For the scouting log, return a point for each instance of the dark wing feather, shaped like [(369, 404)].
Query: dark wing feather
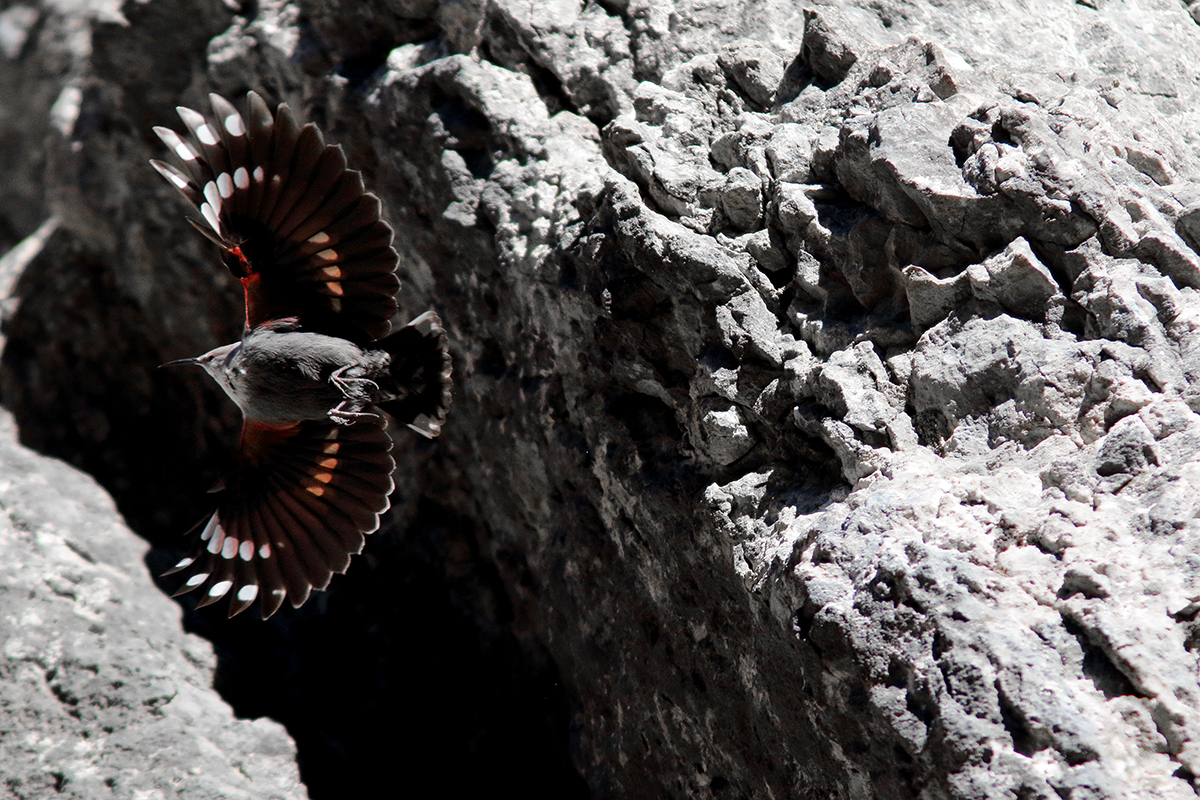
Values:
[(420, 375), (293, 222), (291, 513)]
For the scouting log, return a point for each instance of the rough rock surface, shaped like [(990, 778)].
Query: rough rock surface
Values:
[(826, 415), (101, 693)]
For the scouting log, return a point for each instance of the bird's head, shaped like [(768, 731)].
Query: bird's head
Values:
[(220, 363)]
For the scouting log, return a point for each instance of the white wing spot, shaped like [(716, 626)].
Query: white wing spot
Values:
[(220, 588), (258, 174), (206, 135), (234, 124), (209, 217), (264, 551), (246, 551), (328, 255), (197, 579), (214, 546), (213, 196), (319, 238), (171, 139), (225, 185), (332, 272), (209, 528), (176, 179), (183, 562), (241, 178), (247, 593), (336, 303), (230, 548)]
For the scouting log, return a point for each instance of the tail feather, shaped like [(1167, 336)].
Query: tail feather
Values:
[(420, 370)]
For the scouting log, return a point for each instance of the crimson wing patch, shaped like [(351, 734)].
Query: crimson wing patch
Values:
[(292, 221), (292, 512)]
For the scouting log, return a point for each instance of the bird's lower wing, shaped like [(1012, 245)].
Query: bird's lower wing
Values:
[(291, 513)]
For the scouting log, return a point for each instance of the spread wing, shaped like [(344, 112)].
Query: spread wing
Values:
[(291, 513), (292, 221)]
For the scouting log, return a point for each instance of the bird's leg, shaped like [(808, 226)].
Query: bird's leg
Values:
[(358, 396), (345, 416), (348, 385)]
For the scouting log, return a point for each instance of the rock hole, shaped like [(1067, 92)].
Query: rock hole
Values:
[(940, 645), (1098, 667), (920, 707), (1000, 135), (802, 622), (1185, 774), (468, 132), (491, 361), (360, 67), (1023, 739)]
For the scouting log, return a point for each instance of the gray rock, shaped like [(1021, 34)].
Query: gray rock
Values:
[(835, 38), (755, 69), (741, 199), (826, 417), (1017, 281), (103, 694)]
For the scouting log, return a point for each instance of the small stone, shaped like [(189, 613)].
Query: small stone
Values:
[(1016, 280), (742, 199), (789, 153), (756, 69), (726, 437)]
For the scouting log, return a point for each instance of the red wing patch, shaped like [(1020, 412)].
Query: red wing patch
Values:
[(292, 512), (294, 223)]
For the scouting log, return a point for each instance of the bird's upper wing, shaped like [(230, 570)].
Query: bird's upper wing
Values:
[(292, 221), (292, 512)]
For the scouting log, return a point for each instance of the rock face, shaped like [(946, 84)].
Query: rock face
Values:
[(102, 694), (826, 415)]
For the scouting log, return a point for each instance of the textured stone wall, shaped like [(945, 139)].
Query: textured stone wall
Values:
[(825, 419)]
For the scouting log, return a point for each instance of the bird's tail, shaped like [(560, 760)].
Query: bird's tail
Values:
[(420, 371)]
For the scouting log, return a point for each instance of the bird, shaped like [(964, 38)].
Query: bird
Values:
[(320, 366)]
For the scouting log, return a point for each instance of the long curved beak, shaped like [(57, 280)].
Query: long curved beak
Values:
[(179, 361)]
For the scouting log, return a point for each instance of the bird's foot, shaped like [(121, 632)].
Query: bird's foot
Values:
[(351, 387), (346, 416)]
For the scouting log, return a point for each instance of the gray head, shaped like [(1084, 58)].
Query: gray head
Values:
[(218, 362)]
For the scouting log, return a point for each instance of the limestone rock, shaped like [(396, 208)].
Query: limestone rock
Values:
[(826, 420), (103, 694)]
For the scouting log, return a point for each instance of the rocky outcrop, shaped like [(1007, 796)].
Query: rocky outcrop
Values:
[(103, 693), (825, 418)]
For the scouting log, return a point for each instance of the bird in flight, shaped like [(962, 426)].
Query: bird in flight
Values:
[(319, 368)]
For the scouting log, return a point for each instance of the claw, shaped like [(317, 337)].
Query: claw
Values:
[(346, 384), (343, 416)]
